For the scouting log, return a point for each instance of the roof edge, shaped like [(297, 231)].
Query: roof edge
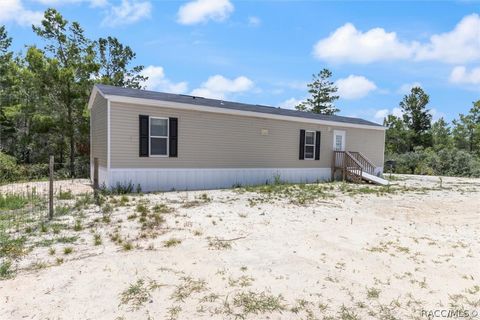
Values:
[(202, 108)]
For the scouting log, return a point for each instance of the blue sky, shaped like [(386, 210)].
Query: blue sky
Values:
[(265, 52)]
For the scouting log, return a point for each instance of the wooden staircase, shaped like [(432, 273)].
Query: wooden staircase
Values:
[(355, 167)]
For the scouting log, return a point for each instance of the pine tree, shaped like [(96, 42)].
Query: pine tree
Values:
[(417, 117), (322, 91)]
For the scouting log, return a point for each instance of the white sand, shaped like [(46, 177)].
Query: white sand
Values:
[(420, 249)]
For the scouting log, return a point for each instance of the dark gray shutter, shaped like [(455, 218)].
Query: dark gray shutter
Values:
[(301, 154), (144, 135), (173, 137), (317, 145)]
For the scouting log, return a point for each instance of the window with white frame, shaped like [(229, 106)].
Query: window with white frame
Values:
[(310, 145), (158, 136)]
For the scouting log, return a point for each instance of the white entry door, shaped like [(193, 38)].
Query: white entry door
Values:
[(339, 140)]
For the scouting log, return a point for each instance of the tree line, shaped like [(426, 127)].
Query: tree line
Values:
[(420, 146), (44, 92)]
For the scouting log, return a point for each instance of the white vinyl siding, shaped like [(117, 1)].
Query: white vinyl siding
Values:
[(213, 140)]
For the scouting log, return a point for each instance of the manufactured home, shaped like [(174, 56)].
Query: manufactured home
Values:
[(164, 141)]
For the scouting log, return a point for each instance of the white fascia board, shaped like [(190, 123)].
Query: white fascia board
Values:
[(184, 106), (93, 94)]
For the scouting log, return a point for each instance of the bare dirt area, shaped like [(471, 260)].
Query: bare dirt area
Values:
[(322, 251)]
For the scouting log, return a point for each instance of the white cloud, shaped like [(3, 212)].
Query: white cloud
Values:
[(347, 44), (354, 87), (158, 81), (254, 21), (381, 114), (397, 112), (460, 45), (290, 103), (13, 10), (461, 75), (127, 12), (407, 87), (218, 87), (198, 11)]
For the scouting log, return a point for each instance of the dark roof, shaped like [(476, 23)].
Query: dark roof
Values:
[(200, 101)]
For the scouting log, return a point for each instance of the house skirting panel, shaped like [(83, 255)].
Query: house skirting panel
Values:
[(378, 171), (211, 178)]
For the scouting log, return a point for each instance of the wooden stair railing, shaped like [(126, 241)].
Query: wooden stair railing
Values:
[(350, 166), (366, 164)]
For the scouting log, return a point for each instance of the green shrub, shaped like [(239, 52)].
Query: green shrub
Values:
[(445, 162), (9, 170)]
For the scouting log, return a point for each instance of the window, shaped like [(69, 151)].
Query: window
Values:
[(158, 136), (310, 145), (339, 140)]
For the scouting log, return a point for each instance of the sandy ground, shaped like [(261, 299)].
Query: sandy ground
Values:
[(354, 254)]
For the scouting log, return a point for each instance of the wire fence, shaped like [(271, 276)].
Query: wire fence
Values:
[(26, 206)]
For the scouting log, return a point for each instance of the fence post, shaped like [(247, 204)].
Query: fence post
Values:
[(50, 190), (95, 179)]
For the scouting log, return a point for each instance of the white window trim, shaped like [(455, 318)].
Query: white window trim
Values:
[(150, 138), (339, 133), (310, 145)]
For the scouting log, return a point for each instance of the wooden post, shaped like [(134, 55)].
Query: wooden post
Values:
[(50, 190)]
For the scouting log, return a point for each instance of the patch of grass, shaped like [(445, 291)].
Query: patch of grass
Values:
[(242, 281), (43, 228), (51, 251), (373, 293), (299, 194), (49, 242), (67, 250), (83, 201), (97, 239), (204, 197), (119, 188), (162, 208), (174, 312), (12, 201), (127, 246), (257, 303), (347, 314), (152, 221), (187, 288), (124, 200), (6, 271), (12, 247), (142, 209), (78, 225), (62, 210), (37, 265), (218, 244), (199, 200), (107, 208), (65, 195), (172, 242), (191, 204), (59, 261), (138, 293)]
